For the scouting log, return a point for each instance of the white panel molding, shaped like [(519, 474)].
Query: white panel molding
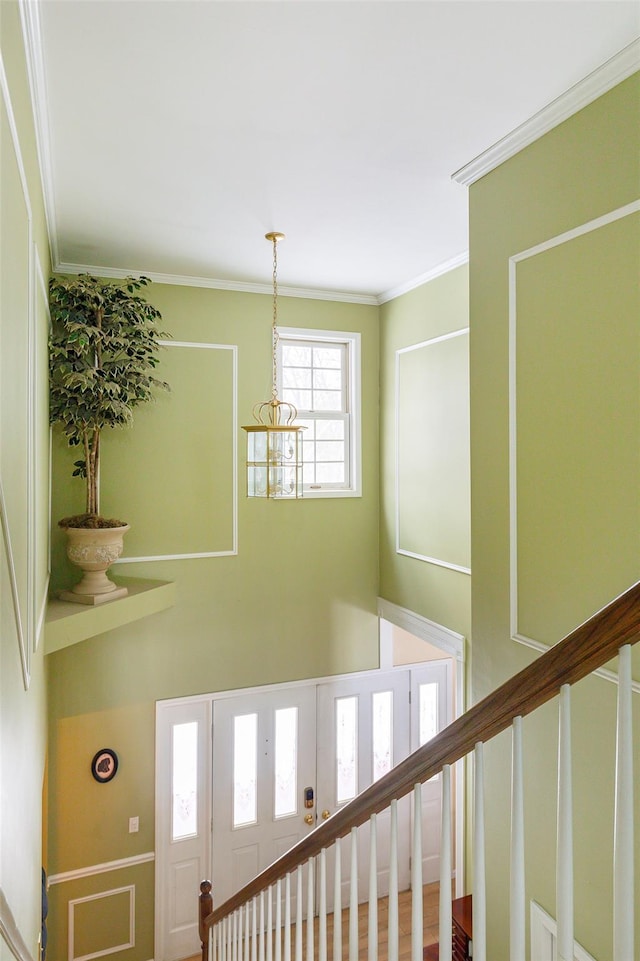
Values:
[(446, 640), (544, 936), (104, 868), (434, 560), (514, 260), (234, 536), (604, 78), (438, 562), (25, 625), (30, 19), (22, 642), (40, 288), (184, 280), (130, 889), (444, 268), (10, 933)]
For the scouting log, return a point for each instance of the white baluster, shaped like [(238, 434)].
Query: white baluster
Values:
[(372, 951), (479, 879), (270, 923), (353, 898), (517, 912), (233, 953), (247, 931), (322, 908), (337, 904), (310, 909), (394, 926), (299, 913), (623, 893), (254, 930), (445, 918), (261, 945), (416, 877), (287, 918), (278, 931), (223, 940), (564, 870)]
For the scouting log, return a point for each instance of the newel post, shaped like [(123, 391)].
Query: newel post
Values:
[(206, 907)]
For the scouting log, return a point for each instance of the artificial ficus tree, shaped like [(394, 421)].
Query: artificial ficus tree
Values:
[(103, 350)]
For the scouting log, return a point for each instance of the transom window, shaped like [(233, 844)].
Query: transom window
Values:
[(318, 372)]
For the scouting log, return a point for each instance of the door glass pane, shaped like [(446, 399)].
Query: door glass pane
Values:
[(428, 711), (382, 733), (346, 748), (184, 788), (245, 795), (286, 762)]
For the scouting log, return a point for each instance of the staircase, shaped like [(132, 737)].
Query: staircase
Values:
[(256, 924)]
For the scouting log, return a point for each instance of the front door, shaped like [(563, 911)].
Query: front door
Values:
[(264, 765), (363, 731), (284, 759)]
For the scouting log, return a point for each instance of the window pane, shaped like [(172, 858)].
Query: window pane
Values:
[(330, 451), (382, 733), (299, 398), (329, 429), (296, 355), (327, 356), (296, 377), (428, 712), (329, 473), (327, 399), (346, 748), (330, 379), (245, 742), (286, 762), (184, 821)]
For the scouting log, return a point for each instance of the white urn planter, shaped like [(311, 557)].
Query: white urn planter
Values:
[(94, 551)]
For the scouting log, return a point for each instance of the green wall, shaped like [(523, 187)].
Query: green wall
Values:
[(576, 420), (297, 600), (24, 458), (425, 471)]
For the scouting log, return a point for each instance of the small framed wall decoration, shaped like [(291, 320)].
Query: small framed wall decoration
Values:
[(104, 765)]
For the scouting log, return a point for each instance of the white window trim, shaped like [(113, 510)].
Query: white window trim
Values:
[(352, 339)]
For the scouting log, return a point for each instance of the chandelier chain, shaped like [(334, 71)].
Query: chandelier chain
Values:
[(274, 386)]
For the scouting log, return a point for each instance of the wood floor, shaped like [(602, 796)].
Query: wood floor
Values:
[(430, 902)]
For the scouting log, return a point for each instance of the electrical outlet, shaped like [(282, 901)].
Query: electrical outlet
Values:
[(134, 825)]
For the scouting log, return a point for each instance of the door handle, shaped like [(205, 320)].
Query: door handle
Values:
[(308, 819), (326, 814)]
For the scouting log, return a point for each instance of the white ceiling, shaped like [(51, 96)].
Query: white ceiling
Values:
[(178, 132)]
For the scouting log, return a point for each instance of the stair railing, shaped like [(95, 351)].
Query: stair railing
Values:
[(238, 930)]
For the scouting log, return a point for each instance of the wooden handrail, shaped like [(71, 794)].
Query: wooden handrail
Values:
[(584, 650)]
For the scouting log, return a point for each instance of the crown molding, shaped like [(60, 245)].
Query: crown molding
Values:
[(604, 78), (438, 271), (32, 35), (184, 280)]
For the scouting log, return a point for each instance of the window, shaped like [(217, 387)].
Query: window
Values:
[(319, 373)]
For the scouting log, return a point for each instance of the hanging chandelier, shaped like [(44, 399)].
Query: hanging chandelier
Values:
[(274, 442)]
